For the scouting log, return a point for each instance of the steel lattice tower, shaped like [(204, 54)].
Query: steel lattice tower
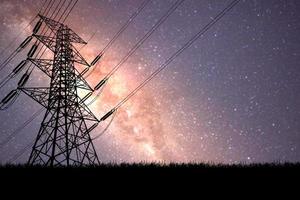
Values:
[(63, 138)]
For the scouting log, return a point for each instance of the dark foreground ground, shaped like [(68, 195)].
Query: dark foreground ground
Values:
[(149, 176), (152, 170), (159, 166)]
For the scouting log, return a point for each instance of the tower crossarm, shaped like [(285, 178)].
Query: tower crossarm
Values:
[(78, 58), (48, 41), (55, 26), (39, 94), (45, 65)]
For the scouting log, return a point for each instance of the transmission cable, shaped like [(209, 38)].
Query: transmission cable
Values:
[(44, 31), (20, 128), (91, 37), (16, 92), (23, 29), (134, 15), (12, 74), (141, 42), (70, 11), (107, 126), (123, 28), (14, 53), (20, 153), (174, 56)]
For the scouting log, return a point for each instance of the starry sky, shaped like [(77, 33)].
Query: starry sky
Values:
[(232, 97)]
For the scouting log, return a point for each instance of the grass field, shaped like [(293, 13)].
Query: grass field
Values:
[(166, 166)]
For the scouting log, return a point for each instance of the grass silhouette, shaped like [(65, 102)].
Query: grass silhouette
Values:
[(159, 173), (275, 165)]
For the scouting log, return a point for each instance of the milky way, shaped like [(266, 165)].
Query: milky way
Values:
[(231, 97)]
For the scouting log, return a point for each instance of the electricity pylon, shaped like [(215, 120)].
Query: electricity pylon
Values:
[(63, 138)]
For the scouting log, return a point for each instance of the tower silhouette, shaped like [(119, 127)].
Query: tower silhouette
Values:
[(63, 138)]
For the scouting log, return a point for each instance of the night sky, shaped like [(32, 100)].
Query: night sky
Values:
[(232, 97)]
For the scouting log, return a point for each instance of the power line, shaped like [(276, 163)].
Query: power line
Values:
[(134, 15), (149, 33), (107, 126), (70, 11), (44, 31), (23, 29), (122, 29), (20, 153), (90, 38), (180, 51), (12, 74), (20, 128), (14, 53), (142, 41)]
